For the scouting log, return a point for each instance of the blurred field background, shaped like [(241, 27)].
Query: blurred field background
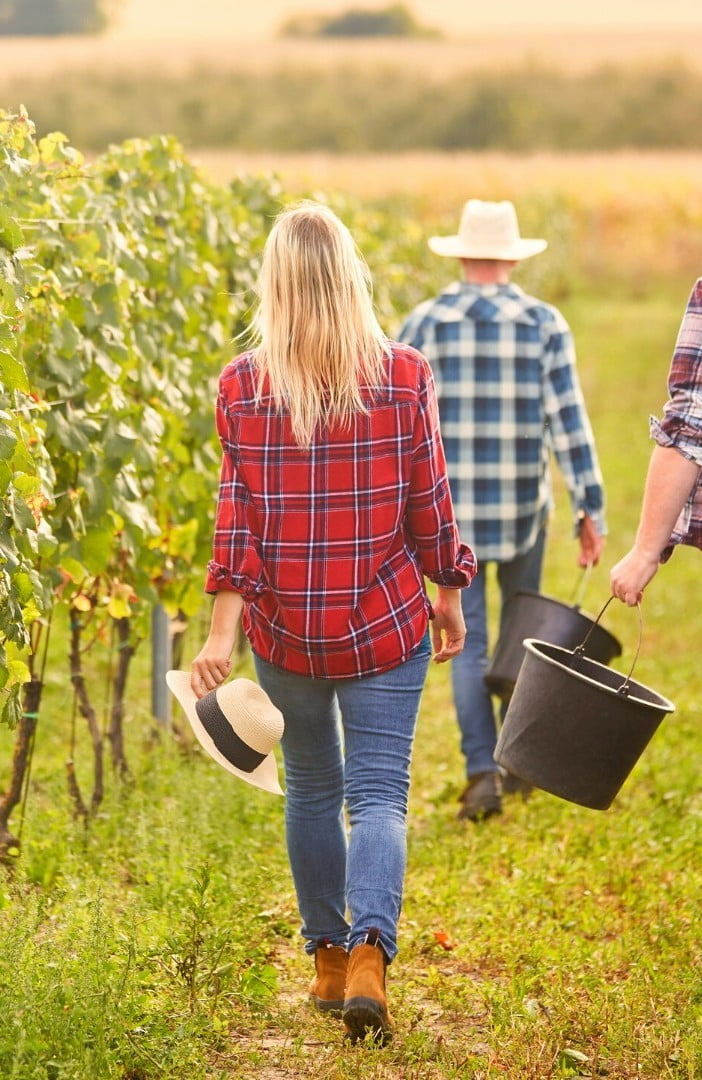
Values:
[(592, 124), (632, 216), (520, 87), (233, 48)]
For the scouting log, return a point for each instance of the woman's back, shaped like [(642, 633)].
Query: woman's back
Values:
[(333, 538)]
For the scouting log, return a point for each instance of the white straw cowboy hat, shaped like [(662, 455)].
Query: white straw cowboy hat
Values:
[(237, 724), (488, 230)]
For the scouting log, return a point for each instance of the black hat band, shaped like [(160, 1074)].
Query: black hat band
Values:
[(234, 749)]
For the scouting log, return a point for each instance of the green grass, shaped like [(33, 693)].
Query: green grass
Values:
[(162, 941)]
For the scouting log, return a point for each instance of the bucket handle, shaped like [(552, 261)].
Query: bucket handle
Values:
[(580, 650), (579, 590)]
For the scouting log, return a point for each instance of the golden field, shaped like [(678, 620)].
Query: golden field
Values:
[(440, 180), (636, 214), (567, 50)]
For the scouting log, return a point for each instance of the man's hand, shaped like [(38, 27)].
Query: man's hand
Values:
[(591, 543), (631, 575)]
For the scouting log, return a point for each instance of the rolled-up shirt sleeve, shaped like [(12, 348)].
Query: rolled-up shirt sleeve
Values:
[(681, 424), (678, 434), (236, 563), (430, 515)]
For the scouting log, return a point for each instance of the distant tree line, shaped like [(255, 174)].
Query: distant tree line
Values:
[(49, 17), (354, 109), (396, 20)]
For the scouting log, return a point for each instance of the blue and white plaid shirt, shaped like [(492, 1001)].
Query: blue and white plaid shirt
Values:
[(509, 394)]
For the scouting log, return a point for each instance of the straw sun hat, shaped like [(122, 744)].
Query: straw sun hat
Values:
[(237, 724), (488, 230)]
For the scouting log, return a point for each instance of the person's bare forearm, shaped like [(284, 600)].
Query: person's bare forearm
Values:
[(212, 664), (671, 477), (448, 630)]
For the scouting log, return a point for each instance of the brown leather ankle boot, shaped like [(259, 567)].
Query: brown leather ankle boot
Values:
[(328, 986), (366, 1006)]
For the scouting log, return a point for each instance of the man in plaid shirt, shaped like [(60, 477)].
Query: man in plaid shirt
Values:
[(672, 505), (509, 395)]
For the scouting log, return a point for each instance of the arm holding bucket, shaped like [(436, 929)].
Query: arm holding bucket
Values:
[(591, 542), (671, 511), (671, 478)]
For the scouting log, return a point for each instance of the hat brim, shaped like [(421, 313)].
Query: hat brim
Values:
[(456, 247), (264, 776)]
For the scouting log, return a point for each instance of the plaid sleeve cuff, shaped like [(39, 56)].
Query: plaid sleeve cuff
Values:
[(222, 579), (461, 573), (596, 516), (674, 432)]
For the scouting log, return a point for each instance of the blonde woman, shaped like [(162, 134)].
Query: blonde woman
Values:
[(333, 507)]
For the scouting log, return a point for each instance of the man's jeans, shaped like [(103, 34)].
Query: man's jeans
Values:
[(476, 718), (348, 739)]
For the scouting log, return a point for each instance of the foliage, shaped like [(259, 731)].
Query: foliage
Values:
[(53, 16), (396, 20), (116, 323), (349, 108), (26, 472), (146, 990)]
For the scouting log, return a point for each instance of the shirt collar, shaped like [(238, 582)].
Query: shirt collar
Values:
[(510, 289)]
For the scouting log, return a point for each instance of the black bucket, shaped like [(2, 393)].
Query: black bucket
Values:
[(575, 727), (529, 614)]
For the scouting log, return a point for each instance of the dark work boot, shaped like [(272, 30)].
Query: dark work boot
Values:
[(328, 987), (482, 797), (366, 1006)]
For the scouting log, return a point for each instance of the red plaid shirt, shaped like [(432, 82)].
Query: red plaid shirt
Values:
[(329, 545)]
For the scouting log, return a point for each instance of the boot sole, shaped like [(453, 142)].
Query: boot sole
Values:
[(331, 1008), (365, 1016)]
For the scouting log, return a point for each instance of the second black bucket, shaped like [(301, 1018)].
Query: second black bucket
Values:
[(575, 727), (532, 615)]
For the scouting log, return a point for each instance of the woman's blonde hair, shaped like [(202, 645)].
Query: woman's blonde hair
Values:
[(318, 340)]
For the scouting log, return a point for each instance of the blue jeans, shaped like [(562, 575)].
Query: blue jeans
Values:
[(474, 710), (348, 741)]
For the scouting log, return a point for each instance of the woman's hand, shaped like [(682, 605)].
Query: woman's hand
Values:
[(448, 628), (212, 665)]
